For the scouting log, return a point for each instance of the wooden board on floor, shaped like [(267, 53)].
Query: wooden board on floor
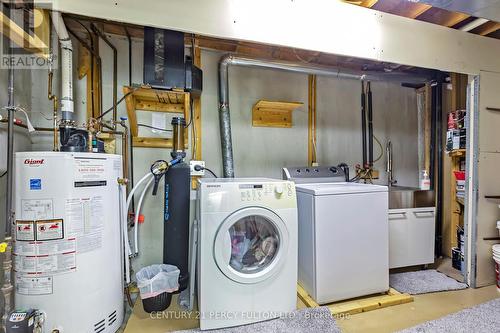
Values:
[(361, 304)]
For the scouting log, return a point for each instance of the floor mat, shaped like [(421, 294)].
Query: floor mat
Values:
[(304, 320), (483, 318), (421, 282)]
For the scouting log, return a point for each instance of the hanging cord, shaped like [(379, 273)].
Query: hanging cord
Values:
[(381, 149), (200, 168), (154, 128), (117, 103)]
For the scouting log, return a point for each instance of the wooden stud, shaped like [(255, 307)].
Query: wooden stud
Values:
[(196, 148), (311, 148), (132, 117)]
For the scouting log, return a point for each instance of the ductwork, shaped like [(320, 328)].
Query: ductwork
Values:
[(66, 100), (229, 59)]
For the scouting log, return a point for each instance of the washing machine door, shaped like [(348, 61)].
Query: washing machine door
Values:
[(251, 245)]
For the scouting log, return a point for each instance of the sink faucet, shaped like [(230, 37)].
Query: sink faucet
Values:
[(390, 176)]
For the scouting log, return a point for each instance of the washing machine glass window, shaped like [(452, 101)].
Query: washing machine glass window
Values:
[(254, 244), (250, 245)]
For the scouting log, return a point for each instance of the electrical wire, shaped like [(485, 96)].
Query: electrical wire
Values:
[(190, 114), (213, 173), (154, 128), (381, 149), (111, 108)]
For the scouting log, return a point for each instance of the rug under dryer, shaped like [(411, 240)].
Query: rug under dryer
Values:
[(482, 318), (313, 320), (422, 282)]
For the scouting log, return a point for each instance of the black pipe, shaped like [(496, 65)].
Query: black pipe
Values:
[(363, 121), (439, 166), (370, 125)]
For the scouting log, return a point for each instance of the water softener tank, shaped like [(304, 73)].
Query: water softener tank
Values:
[(68, 253), (176, 212)]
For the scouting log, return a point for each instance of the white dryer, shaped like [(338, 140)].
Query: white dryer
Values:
[(343, 234), (247, 250)]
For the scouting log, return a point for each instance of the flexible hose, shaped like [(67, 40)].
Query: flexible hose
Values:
[(126, 245), (129, 200), (137, 213)]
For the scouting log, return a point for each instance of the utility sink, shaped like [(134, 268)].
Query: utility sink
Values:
[(401, 197)]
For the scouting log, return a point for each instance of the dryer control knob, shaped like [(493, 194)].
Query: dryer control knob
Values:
[(278, 189)]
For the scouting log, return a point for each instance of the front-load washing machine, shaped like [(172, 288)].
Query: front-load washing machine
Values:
[(247, 250)]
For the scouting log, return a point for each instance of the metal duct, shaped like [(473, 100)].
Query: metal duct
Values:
[(229, 59)]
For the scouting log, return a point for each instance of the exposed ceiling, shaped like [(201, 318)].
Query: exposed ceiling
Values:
[(78, 25), (475, 16)]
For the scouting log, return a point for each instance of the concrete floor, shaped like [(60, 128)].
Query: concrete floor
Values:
[(424, 308)]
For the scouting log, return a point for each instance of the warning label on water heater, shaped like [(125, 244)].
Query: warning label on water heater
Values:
[(30, 285), (49, 230)]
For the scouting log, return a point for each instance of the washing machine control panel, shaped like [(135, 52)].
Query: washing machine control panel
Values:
[(266, 191)]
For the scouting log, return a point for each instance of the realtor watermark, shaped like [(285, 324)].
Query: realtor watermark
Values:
[(246, 315), (26, 41)]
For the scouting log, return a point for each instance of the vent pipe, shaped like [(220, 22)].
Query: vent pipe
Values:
[(224, 114), (66, 100)]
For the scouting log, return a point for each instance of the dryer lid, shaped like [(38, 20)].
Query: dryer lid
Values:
[(339, 188)]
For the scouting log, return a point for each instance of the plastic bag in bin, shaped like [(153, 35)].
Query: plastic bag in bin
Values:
[(157, 279)]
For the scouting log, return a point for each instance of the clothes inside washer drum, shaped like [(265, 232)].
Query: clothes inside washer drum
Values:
[(308, 320)]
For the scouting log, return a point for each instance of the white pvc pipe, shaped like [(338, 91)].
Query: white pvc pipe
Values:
[(137, 213), (66, 99)]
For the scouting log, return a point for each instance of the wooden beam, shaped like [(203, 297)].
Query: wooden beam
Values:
[(402, 8), (368, 3), (442, 17), (42, 26), (486, 29)]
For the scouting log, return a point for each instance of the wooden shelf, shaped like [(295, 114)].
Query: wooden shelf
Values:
[(273, 114), (154, 100)]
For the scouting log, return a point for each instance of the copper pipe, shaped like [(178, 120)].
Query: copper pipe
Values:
[(53, 98)]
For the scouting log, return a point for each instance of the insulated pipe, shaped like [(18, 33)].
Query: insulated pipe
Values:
[(66, 99), (229, 59)]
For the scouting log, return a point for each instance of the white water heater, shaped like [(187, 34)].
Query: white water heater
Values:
[(68, 253)]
